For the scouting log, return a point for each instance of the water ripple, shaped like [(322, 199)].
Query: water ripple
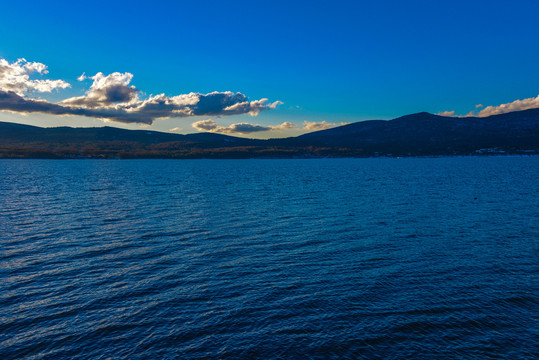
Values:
[(269, 259)]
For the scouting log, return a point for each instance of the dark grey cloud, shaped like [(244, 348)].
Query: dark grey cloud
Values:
[(246, 128), (11, 101), (215, 103)]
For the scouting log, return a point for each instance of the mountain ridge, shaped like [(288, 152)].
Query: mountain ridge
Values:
[(419, 134)]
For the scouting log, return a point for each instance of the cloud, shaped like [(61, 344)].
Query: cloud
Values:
[(308, 125), (206, 125), (245, 128), (284, 126), (11, 101), (175, 129), (112, 97), (517, 105), (15, 77), (242, 128), (446, 113), (252, 108), (105, 92)]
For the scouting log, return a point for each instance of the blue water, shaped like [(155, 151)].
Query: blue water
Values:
[(269, 259)]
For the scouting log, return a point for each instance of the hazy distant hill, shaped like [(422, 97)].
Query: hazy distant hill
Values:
[(421, 134)]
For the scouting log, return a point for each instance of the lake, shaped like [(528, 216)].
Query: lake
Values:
[(425, 258)]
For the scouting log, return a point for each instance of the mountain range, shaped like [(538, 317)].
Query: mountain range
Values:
[(420, 134)]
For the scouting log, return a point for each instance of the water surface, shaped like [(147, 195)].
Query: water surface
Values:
[(269, 259)]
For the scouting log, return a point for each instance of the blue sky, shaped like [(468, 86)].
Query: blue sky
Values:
[(332, 61)]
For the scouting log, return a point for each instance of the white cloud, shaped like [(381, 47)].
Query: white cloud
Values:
[(16, 77), (241, 128), (112, 97), (106, 91), (446, 113), (517, 105), (322, 125), (284, 126), (478, 106), (175, 129)]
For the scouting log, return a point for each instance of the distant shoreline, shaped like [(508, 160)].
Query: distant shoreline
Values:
[(278, 158)]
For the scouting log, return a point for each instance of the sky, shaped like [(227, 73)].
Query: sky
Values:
[(263, 69)]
